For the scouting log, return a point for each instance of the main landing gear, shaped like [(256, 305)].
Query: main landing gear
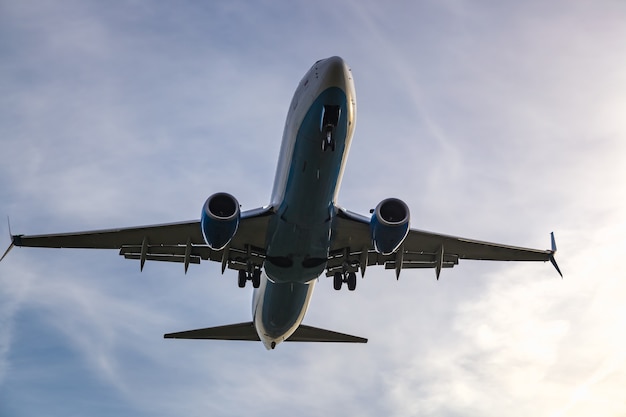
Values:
[(254, 276), (349, 278)]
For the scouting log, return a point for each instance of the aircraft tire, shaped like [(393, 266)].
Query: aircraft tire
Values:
[(338, 281), (242, 279), (351, 281), (256, 278)]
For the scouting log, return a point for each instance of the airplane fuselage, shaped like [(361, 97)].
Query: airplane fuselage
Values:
[(316, 139)]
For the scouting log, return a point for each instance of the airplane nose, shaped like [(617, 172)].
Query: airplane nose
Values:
[(334, 60), (335, 71)]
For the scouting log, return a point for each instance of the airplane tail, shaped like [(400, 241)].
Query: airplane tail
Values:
[(246, 331)]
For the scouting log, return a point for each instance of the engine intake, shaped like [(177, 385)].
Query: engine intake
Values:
[(389, 225), (220, 220)]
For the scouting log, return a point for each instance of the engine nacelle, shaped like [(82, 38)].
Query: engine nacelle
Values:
[(389, 225), (220, 220)]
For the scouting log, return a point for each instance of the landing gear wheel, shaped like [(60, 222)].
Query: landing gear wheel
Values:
[(351, 281), (256, 278), (337, 280), (243, 277), (328, 141)]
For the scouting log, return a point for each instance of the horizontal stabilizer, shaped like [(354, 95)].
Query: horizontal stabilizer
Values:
[(314, 334), (246, 331), (240, 331)]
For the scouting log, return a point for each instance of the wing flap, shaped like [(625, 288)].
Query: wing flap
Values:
[(418, 265), (164, 258)]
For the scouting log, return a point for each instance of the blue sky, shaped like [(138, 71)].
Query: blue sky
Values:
[(499, 123)]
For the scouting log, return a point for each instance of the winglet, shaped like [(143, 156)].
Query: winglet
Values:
[(12, 241), (552, 260), (7, 251)]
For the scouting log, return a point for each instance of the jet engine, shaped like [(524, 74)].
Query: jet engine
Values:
[(389, 225), (220, 219)]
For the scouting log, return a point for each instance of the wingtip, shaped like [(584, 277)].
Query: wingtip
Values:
[(14, 240), (553, 242), (7, 251), (556, 266), (553, 250)]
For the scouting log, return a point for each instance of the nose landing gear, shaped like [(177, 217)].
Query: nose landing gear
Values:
[(329, 140), (330, 120)]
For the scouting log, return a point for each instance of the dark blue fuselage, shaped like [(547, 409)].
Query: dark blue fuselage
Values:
[(306, 185), (298, 236)]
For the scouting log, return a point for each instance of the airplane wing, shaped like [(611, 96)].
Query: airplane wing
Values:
[(352, 248), (174, 242)]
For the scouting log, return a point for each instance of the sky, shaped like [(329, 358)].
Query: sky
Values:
[(496, 121)]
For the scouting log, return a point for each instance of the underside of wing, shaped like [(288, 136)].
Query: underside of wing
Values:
[(173, 242), (352, 249), (162, 234)]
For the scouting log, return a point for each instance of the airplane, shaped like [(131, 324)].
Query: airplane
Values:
[(285, 246)]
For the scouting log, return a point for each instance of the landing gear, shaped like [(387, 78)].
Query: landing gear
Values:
[(244, 276), (328, 141), (256, 278), (351, 281), (339, 278), (330, 120)]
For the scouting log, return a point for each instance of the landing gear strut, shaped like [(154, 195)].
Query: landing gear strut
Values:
[(330, 120), (349, 277), (329, 140)]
